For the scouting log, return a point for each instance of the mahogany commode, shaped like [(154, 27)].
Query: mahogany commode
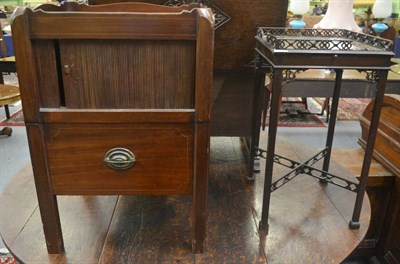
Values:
[(116, 100)]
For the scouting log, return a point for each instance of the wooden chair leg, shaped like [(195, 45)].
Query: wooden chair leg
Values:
[(7, 111), (266, 107), (47, 200), (201, 163), (327, 107), (266, 104), (51, 223), (304, 100)]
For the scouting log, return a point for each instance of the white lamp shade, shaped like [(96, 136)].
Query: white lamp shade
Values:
[(340, 16), (382, 8), (299, 7)]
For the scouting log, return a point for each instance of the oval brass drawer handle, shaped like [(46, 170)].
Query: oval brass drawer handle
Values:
[(119, 159)]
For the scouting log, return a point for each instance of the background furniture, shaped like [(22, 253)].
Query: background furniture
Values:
[(387, 148), (234, 57), (319, 83), (120, 105), (32, 3), (8, 94), (8, 46), (397, 47), (380, 244)]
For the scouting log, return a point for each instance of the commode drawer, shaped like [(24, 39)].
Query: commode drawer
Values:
[(120, 159)]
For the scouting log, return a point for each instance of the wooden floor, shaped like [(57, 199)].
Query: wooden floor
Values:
[(308, 221)]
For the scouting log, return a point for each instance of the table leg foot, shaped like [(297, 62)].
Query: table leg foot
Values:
[(354, 225), (263, 228), (250, 178), (322, 181), (7, 131), (256, 166)]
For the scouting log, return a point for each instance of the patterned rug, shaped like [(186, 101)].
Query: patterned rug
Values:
[(11, 79), (6, 257), (8, 260), (349, 108), (295, 114), (16, 119)]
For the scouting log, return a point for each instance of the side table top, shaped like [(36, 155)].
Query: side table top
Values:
[(323, 48), (348, 75)]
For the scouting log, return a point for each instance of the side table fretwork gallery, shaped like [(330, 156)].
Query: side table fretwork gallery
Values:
[(282, 53)]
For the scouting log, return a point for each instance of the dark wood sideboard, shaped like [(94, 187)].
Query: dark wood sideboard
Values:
[(233, 57), (388, 249), (381, 243), (385, 199)]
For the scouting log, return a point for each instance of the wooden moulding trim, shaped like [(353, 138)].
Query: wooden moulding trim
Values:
[(26, 67), (117, 116), (387, 164), (77, 190), (204, 65), (116, 7), (387, 130), (390, 258), (112, 26), (345, 60)]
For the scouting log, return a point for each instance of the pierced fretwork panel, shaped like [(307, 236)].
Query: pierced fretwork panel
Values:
[(220, 16)]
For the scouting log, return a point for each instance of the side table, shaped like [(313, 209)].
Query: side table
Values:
[(284, 52)]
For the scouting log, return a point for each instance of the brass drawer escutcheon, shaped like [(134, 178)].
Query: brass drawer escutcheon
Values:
[(119, 159)]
